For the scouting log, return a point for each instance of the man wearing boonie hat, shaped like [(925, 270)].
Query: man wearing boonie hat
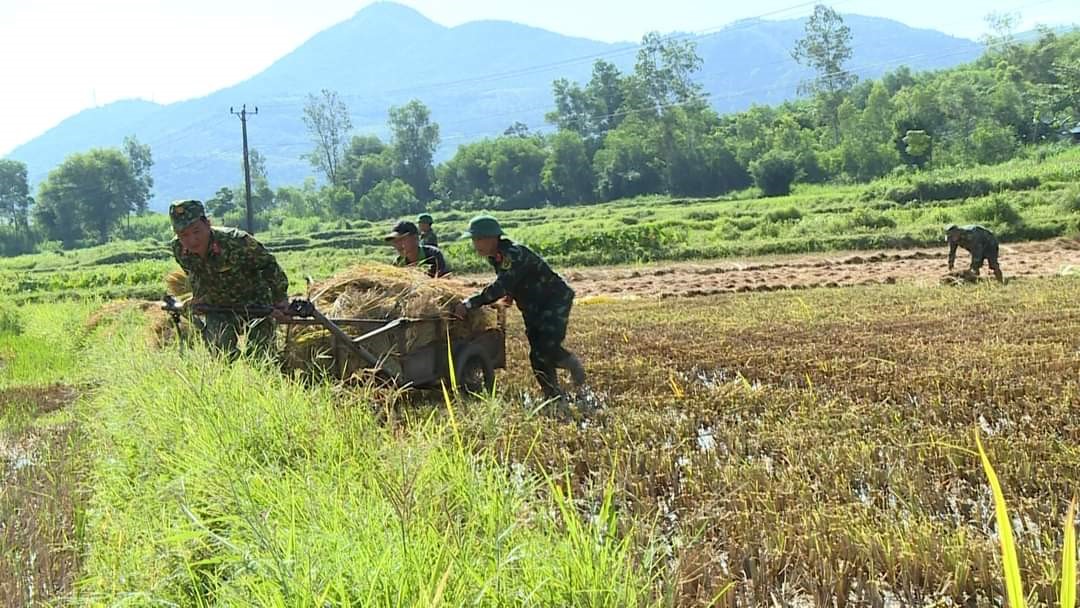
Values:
[(228, 267)]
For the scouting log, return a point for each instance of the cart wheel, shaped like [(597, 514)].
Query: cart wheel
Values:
[(475, 374)]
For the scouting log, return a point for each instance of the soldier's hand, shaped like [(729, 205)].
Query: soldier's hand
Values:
[(278, 313), (460, 311)]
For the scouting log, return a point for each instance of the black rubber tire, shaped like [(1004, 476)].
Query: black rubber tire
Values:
[(475, 374)]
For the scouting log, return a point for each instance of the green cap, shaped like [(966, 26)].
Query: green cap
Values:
[(185, 213), (424, 218), (483, 226), (951, 227)]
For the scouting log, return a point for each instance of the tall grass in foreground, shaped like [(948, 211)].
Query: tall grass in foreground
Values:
[(229, 485), (1014, 586)]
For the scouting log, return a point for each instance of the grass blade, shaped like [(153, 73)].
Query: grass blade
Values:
[(1068, 560), (1014, 586)]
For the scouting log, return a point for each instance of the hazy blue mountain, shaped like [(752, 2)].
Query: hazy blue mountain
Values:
[(477, 78)]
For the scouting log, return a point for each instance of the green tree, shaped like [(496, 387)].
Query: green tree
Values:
[(327, 120), (566, 176), (414, 141), (368, 161), (87, 195), (591, 111), (389, 199), (15, 197), (825, 48), (629, 162), (262, 195), (774, 173), (515, 170), (142, 164), (467, 176), (664, 75), (222, 203)]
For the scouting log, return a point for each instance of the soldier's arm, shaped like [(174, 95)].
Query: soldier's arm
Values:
[(952, 255), (521, 267), (440, 264), (193, 277), (268, 268)]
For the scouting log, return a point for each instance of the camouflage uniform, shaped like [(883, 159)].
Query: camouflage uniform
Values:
[(544, 299), (237, 270), (980, 242), (429, 237), (431, 257)]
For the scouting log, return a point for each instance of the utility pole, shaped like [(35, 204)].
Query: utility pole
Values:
[(243, 114)]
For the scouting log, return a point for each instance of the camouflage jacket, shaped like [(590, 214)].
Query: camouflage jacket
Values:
[(429, 238), (431, 257), (975, 239), (237, 270), (526, 277)]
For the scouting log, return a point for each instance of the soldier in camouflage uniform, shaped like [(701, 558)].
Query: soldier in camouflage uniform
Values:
[(980, 242), (411, 252), (228, 267), (427, 234), (543, 297)]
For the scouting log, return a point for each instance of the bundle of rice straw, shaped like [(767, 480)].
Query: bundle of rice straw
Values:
[(383, 292)]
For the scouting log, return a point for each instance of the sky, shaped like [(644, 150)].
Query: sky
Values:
[(62, 56)]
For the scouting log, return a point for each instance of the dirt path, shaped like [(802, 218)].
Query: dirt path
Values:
[(838, 269)]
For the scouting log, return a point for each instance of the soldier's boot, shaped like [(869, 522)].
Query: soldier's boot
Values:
[(573, 365), (997, 275)]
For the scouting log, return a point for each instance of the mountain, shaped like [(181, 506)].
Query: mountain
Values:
[(477, 78)]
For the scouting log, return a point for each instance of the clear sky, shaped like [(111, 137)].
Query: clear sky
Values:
[(62, 56)]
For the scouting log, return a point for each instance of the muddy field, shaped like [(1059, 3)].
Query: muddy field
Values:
[(1034, 259), (39, 559)]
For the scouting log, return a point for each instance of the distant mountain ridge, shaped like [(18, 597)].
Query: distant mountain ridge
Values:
[(477, 78)]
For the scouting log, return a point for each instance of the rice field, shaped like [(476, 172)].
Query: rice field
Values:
[(788, 448)]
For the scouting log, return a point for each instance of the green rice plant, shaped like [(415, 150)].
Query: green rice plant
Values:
[(1014, 585)]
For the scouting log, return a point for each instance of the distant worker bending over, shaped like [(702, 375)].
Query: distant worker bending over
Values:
[(406, 241), (427, 233), (980, 242), (543, 297), (228, 267)]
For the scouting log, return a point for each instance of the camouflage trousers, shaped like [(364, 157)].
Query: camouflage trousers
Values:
[(222, 331), (546, 329)]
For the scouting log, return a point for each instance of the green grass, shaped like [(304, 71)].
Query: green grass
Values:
[(1024, 199), (243, 487), (44, 349)]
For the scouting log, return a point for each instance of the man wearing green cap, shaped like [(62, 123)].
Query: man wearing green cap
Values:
[(227, 267), (427, 234), (980, 242), (543, 297)]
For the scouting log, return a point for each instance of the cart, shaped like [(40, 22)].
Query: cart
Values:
[(381, 345)]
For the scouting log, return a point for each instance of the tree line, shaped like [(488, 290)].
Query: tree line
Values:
[(647, 131)]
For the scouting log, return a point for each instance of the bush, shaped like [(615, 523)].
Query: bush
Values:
[(10, 321), (787, 214), (1069, 199), (871, 219), (954, 188), (995, 210), (774, 173), (703, 216)]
